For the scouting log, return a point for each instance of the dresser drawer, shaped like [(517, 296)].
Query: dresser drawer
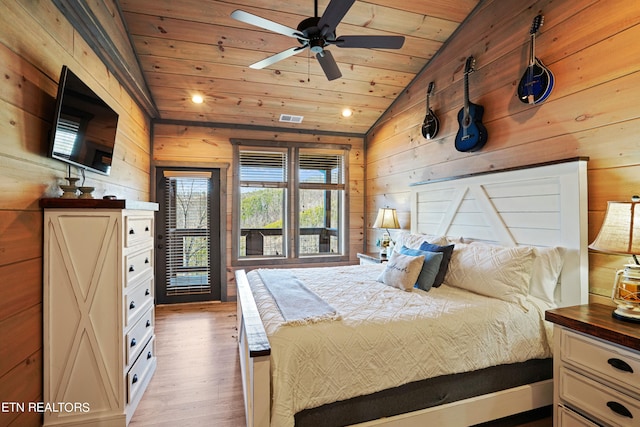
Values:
[(138, 229), (138, 265), (138, 300), (611, 363), (568, 418), (597, 400), (138, 335), (141, 371)]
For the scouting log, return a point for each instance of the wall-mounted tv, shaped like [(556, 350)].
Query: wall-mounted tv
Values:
[(84, 126)]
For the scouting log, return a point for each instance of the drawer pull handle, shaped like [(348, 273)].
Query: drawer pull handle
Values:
[(148, 323), (146, 292), (146, 260), (149, 356), (620, 364), (133, 342), (132, 231), (134, 379), (146, 228), (619, 409), (132, 305), (131, 269)]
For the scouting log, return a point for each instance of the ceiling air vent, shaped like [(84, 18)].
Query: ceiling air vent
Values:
[(288, 118)]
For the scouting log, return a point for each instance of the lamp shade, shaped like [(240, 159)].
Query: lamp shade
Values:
[(387, 218), (620, 231)]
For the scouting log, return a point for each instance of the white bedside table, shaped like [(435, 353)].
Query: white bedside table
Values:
[(371, 258), (596, 367)]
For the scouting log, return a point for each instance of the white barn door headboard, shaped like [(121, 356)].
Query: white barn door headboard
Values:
[(539, 205)]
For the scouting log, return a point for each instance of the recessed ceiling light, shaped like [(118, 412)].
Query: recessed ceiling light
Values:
[(197, 99), (347, 112)]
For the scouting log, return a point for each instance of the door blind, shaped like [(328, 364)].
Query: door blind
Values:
[(187, 234)]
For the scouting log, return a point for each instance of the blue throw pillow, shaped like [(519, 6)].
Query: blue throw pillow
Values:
[(430, 266), (446, 251)]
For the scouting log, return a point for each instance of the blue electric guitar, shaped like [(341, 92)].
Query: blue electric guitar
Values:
[(537, 82), (472, 135)]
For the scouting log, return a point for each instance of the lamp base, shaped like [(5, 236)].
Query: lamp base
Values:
[(628, 315)]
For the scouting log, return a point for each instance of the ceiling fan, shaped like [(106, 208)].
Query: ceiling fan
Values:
[(316, 33)]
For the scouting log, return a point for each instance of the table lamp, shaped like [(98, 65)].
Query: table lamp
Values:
[(387, 218), (620, 234)]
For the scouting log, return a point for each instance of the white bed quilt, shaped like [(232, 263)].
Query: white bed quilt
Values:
[(388, 337)]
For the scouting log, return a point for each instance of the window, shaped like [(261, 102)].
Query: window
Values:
[(292, 202)]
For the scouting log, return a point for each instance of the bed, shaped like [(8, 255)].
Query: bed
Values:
[(524, 212)]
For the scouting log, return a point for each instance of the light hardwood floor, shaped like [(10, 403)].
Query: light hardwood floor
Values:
[(197, 383)]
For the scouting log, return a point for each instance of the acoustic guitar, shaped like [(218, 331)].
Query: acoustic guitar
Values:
[(472, 135), (431, 124), (537, 81)]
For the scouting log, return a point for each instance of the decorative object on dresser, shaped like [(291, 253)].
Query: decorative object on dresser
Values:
[(472, 135), (387, 218), (620, 234), (537, 82), (85, 192), (70, 191), (431, 124), (596, 367), (98, 313)]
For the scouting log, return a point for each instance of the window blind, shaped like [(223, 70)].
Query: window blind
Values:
[(263, 166), (321, 168)]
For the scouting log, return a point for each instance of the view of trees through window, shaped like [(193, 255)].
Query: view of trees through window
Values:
[(266, 189)]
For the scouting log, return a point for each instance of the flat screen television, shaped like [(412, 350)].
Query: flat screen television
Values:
[(84, 126)]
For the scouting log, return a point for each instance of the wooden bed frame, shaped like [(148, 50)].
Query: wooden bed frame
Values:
[(540, 205)]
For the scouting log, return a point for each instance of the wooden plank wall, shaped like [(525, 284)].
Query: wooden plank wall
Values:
[(35, 41), (591, 46), (198, 144)]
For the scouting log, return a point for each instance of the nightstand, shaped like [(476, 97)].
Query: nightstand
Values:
[(371, 258), (596, 361)]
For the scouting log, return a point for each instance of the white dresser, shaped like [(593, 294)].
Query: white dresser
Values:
[(596, 368), (98, 310)]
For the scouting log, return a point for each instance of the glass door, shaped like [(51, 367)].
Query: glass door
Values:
[(188, 235)]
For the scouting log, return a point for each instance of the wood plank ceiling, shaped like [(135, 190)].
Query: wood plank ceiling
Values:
[(188, 47)]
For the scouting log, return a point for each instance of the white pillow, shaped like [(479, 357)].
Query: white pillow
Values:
[(547, 265), (402, 271), (494, 271), (414, 240)]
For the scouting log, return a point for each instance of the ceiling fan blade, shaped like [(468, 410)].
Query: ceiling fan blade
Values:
[(372, 42), (328, 65), (333, 14), (277, 57), (251, 19)]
